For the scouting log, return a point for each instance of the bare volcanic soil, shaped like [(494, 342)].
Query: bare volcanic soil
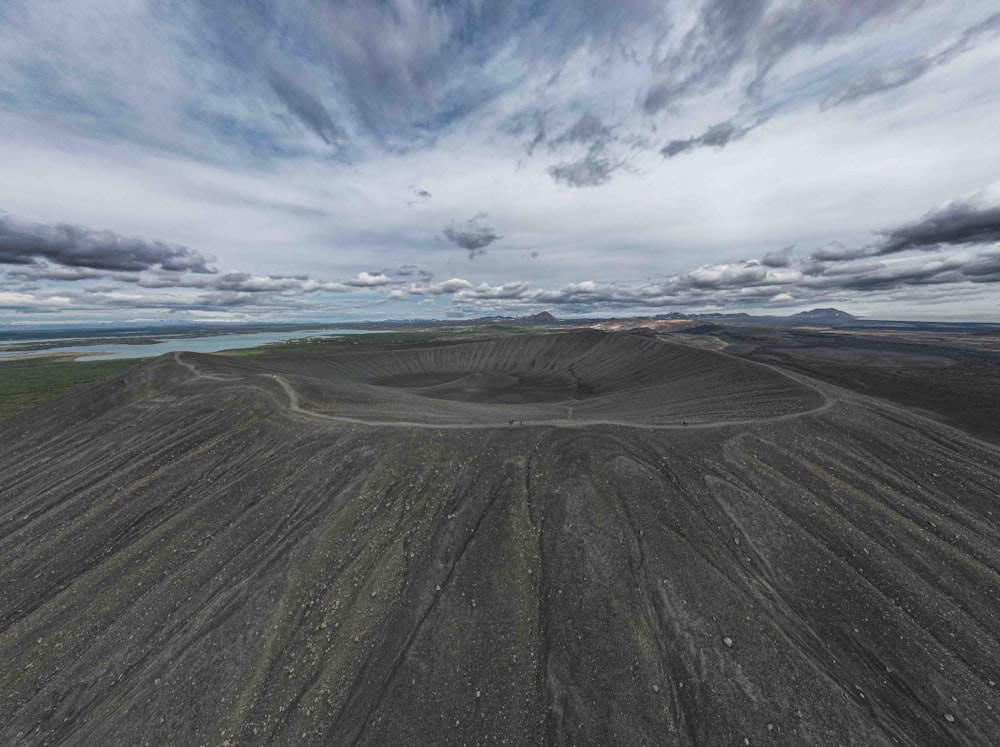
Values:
[(362, 548), (557, 379)]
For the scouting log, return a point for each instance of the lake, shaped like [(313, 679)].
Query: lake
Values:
[(203, 344)]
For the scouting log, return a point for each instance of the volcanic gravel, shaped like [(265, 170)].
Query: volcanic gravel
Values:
[(676, 547)]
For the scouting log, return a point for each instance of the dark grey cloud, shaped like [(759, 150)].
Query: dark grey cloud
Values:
[(46, 271), (716, 136), (974, 220), (984, 268), (968, 222), (942, 270), (157, 278), (778, 258), (604, 156), (837, 252), (828, 269), (306, 107), (592, 170), (879, 80), (63, 244), (472, 235)]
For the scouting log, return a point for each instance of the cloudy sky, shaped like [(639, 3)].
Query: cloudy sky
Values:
[(275, 160)]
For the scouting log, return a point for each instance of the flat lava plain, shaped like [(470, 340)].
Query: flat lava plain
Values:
[(572, 539)]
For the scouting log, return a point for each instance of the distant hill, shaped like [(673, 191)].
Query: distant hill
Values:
[(825, 315), (542, 316)]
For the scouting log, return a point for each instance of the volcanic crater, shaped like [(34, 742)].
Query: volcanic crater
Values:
[(370, 548), (550, 379)]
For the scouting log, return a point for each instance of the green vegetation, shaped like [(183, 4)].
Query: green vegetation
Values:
[(30, 381), (323, 345), (34, 347)]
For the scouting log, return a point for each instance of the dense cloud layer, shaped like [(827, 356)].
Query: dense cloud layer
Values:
[(727, 286), (972, 220), (76, 246), (954, 245), (934, 245), (129, 270)]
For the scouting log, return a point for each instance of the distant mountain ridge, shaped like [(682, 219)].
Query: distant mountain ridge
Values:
[(828, 313)]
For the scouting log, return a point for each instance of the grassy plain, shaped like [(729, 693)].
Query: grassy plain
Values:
[(324, 345), (26, 382)]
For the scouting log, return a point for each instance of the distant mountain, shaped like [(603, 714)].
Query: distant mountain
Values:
[(835, 315), (542, 316)]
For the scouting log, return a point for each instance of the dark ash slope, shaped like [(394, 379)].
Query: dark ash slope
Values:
[(545, 378), (186, 559)]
